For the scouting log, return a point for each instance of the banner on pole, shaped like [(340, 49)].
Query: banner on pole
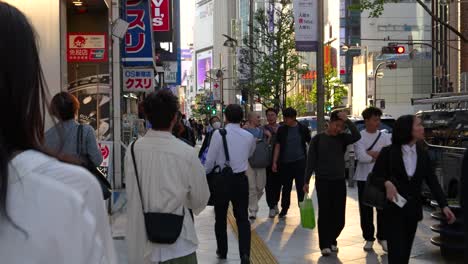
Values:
[(306, 25)]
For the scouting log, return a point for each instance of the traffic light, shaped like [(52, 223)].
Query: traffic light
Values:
[(393, 50), (329, 108), (213, 112), (208, 107)]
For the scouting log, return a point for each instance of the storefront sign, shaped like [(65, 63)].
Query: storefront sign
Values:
[(138, 49), (305, 25), (86, 47), (138, 80), (170, 71), (106, 151), (204, 65), (160, 10), (217, 90)]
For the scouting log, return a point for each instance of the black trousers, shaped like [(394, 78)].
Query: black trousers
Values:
[(367, 218), (331, 197), (235, 190), (401, 230), (272, 188), (289, 172)]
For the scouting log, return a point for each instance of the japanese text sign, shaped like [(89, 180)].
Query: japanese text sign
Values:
[(86, 47), (161, 15), (305, 25), (138, 50), (138, 80)]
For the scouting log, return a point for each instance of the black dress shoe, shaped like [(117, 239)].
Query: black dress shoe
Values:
[(245, 259), (221, 256), (283, 213)]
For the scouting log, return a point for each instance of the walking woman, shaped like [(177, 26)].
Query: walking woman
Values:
[(404, 165), (44, 217)]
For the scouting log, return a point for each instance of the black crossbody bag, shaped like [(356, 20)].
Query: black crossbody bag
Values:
[(161, 228), (217, 173), (374, 195), (88, 164)]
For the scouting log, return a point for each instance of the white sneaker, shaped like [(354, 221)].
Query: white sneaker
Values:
[(334, 248), (368, 246), (326, 252), (384, 245), (272, 213)]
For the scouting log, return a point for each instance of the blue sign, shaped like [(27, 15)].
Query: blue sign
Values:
[(138, 46)]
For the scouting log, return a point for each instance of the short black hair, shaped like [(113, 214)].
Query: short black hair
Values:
[(403, 130), (290, 112), (369, 112), (271, 110), (335, 116), (212, 119), (160, 109), (64, 106), (234, 113)]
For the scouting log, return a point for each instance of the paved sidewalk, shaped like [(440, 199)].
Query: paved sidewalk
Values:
[(291, 244)]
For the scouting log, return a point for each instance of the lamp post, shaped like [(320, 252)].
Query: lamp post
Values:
[(376, 72)]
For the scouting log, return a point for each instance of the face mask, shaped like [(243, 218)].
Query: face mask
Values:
[(216, 125)]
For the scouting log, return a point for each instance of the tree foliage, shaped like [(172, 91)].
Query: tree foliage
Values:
[(335, 90), (298, 102), (200, 110), (375, 7), (275, 62)]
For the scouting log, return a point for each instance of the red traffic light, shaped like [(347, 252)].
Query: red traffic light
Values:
[(393, 50), (400, 50)]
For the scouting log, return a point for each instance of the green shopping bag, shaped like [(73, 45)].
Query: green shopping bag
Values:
[(307, 213)]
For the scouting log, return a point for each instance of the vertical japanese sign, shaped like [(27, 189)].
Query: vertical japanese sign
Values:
[(305, 25), (217, 90), (170, 71), (138, 80), (106, 151), (161, 15), (138, 50), (86, 47)]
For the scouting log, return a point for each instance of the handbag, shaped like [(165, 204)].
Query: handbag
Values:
[(161, 228), (307, 213), (262, 156), (88, 164), (374, 195)]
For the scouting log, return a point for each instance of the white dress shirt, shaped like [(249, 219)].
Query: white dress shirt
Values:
[(58, 226), (241, 146), (365, 162), (410, 159), (171, 178)]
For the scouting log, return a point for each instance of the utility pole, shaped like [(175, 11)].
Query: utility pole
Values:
[(320, 70), (251, 40)]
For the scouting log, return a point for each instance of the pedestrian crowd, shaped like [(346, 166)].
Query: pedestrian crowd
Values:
[(51, 194)]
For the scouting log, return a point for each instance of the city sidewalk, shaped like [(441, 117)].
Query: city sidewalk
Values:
[(291, 244)]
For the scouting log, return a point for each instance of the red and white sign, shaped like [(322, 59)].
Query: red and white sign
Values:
[(138, 80), (161, 15), (87, 47), (106, 150), (217, 91)]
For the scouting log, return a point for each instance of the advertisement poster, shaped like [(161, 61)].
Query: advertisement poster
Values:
[(160, 10), (305, 25), (138, 80), (86, 47), (106, 151), (186, 67), (138, 50), (204, 65), (170, 72)]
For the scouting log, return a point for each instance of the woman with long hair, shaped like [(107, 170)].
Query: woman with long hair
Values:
[(44, 215), (403, 166)]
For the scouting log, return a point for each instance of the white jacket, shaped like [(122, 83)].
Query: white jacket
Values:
[(171, 178)]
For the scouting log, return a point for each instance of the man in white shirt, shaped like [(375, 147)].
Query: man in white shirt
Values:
[(367, 151), (241, 145), (172, 180)]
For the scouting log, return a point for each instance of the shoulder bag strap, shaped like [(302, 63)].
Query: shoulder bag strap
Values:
[(132, 148), (375, 141), (223, 133), (79, 139)]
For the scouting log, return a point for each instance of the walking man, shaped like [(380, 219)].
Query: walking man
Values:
[(290, 157), (256, 175), (240, 146), (326, 159), (273, 181), (367, 151)]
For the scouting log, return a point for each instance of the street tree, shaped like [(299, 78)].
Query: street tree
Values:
[(273, 61), (335, 90), (298, 102), (202, 108)]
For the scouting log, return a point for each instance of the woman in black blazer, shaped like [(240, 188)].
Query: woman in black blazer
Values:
[(404, 165)]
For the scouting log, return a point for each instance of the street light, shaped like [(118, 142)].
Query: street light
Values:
[(390, 65), (230, 42)]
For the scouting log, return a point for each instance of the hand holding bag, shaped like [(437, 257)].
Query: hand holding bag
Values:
[(307, 213), (161, 228)]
